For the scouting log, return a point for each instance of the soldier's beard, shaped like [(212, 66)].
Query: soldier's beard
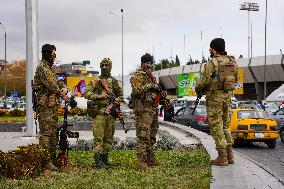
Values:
[(105, 72), (49, 60)]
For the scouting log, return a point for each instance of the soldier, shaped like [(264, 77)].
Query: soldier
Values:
[(103, 123), (48, 89), (144, 91), (218, 80)]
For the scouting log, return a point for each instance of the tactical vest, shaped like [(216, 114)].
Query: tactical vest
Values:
[(94, 107), (223, 77)]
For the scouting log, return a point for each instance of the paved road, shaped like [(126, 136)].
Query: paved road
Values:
[(271, 158)]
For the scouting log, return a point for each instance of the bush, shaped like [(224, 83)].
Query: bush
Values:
[(17, 113), (3, 113), (24, 161), (166, 142)]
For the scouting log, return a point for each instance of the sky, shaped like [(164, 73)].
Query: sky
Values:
[(85, 29)]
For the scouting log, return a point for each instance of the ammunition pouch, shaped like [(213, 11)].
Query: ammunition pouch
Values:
[(92, 109), (49, 100), (138, 107)]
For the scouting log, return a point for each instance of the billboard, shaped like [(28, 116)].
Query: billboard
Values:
[(240, 84), (187, 83), (77, 85)]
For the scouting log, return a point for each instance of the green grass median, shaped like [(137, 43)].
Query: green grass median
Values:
[(179, 169)]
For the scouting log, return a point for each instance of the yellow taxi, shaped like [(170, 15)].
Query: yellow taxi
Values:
[(252, 125)]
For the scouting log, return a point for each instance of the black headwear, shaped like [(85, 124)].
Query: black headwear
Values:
[(47, 48), (218, 44), (146, 58)]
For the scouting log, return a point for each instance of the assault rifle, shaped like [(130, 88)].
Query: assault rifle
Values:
[(199, 95), (113, 106), (34, 101), (64, 134), (161, 95)]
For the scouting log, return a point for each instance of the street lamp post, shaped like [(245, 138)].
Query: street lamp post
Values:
[(122, 84), (249, 7), (121, 17), (5, 69), (264, 79)]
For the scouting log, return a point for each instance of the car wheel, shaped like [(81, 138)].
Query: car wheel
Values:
[(282, 135), (271, 143)]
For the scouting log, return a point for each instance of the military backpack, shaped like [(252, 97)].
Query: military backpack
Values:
[(224, 76)]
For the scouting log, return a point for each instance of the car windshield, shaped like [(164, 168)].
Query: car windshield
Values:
[(201, 110), (178, 103), (253, 106), (246, 114)]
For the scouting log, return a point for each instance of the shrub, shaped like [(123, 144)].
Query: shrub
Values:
[(17, 113), (166, 142), (3, 113), (24, 161)]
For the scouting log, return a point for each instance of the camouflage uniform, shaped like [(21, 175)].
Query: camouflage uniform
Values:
[(48, 90), (217, 103), (103, 124), (143, 94)]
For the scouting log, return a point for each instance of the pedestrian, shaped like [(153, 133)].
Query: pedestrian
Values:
[(144, 93), (168, 109), (217, 82), (99, 102), (48, 89)]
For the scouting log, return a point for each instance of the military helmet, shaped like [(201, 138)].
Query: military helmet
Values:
[(106, 62)]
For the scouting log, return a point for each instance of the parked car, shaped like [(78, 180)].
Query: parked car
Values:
[(279, 117), (281, 132), (252, 125), (197, 121), (186, 101)]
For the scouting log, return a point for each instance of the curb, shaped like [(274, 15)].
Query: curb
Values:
[(195, 133), (268, 170)]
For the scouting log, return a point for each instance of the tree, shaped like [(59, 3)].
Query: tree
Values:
[(16, 77), (177, 61)]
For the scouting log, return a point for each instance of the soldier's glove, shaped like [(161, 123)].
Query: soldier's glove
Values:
[(72, 102), (164, 94), (111, 98), (63, 92), (65, 97), (198, 90)]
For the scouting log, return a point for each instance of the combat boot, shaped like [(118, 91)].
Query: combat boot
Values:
[(152, 161), (221, 160), (105, 159), (51, 167), (99, 162), (230, 156), (142, 164)]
